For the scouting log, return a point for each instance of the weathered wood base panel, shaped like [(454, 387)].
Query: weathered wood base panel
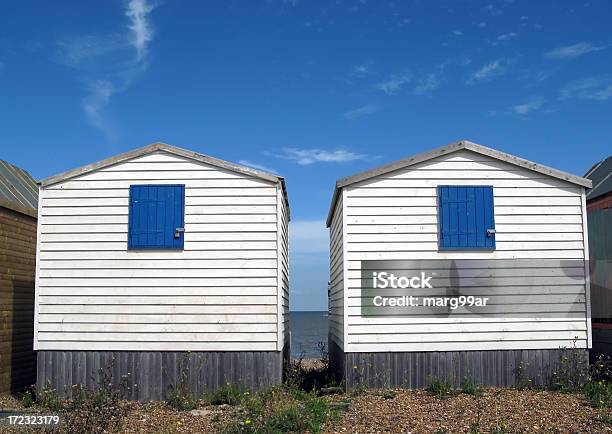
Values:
[(152, 375), (498, 368), (336, 359)]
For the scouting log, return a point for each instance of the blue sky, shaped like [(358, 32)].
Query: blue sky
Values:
[(313, 90)]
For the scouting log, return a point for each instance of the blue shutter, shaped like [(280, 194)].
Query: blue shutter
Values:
[(156, 212), (465, 214)]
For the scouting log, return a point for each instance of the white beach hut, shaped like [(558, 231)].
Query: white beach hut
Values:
[(160, 264), (492, 249)]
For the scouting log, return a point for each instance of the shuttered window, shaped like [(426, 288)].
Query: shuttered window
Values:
[(466, 219), (156, 217)]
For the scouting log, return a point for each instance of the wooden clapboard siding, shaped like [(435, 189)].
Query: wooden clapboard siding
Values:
[(283, 272), (221, 293), (336, 281), (17, 270), (537, 217)]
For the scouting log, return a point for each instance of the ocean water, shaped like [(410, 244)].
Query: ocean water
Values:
[(308, 329)]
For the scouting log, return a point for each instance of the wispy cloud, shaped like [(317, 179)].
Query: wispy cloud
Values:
[(257, 166), (361, 71), (457, 33), (597, 88), (109, 64), (428, 83), (100, 93), (84, 51), (394, 84), (141, 33), (362, 111), (306, 157), (490, 70), (571, 51), (494, 10), (530, 106), (507, 36)]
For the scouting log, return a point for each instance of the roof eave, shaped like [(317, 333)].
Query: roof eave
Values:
[(22, 209), (330, 214)]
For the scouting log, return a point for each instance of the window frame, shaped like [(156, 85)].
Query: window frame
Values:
[(181, 244)]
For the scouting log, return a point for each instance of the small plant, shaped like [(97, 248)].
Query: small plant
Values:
[(604, 418), (180, 397), (501, 428), (229, 394), (474, 428), (571, 374), (387, 394), (298, 375), (520, 377), (439, 386), (471, 387), (99, 409), (282, 409), (27, 400), (601, 369), (48, 398), (181, 401), (598, 393)]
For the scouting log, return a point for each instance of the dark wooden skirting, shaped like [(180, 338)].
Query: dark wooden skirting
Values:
[(495, 368), (17, 270), (151, 375), (336, 359)]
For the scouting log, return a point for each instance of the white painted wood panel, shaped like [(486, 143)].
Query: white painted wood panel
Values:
[(394, 217), (336, 281), (221, 293)]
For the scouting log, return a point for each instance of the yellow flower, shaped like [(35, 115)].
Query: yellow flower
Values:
[(248, 421)]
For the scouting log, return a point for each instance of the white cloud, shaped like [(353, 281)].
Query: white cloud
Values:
[(257, 166), (482, 24), (100, 93), (428, 83), (495, 68), (457, 33), (137, 12), (507, 36), (524, 17), (109, 64), (361, 70), (365, 110), (571, 51), (84, 51), (528, 107), (394, 84), (594, 88), (306, 157), (493, 10)]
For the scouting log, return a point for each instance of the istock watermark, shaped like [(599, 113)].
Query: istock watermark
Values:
[(485, 287), (389, 280)]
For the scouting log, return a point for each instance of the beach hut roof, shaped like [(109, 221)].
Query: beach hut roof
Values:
[(444, 150)]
